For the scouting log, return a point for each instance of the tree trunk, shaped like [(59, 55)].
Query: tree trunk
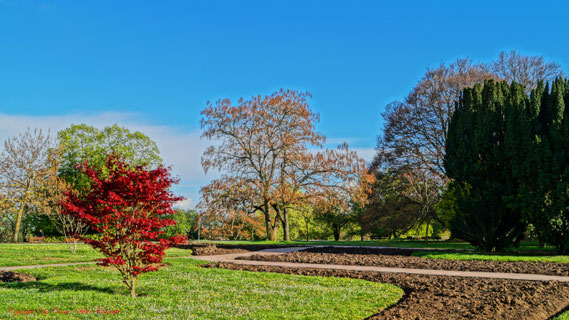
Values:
[(286, 230), (19, 221), (273, 232), (336, 230), (133, 288), (361, 234), (267, 221)]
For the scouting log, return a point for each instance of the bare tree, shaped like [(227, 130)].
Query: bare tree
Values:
[(26, 165), (526, 70), (415, 130), (423, 189)]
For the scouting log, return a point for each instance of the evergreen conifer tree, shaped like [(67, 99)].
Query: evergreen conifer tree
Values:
[(477, 159)]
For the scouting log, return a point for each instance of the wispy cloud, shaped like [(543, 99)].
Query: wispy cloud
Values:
[(337, 141), (365, 153), (180, 149)]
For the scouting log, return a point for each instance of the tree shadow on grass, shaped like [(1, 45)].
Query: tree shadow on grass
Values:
[(46, 287)]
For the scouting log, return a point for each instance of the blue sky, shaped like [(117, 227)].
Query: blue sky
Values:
[(152, 65)]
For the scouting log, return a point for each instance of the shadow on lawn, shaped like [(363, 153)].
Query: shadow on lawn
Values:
[(46, 287)]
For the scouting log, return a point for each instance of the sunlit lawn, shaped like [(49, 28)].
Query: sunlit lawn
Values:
[(492, 257), (530, 251), (435, 244), (563, 316), (367, 243), (186, 291), (34, 254)]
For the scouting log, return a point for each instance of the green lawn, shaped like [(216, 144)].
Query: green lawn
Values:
[(563, 316), (33, 254), (186, 291), (367, 243), (525, 245), (491, 257)]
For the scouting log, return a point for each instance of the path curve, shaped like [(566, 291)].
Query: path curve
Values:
[(231, 258), (45, 266)]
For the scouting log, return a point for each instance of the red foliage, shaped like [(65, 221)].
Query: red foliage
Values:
[(128, 206)]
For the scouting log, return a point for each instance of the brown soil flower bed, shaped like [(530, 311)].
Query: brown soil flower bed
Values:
[(10, 276), (440, 297), (210, 249), (390, 258)]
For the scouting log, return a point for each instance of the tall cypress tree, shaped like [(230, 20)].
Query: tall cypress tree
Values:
[(479, 151), (552, 221), (529, 154)]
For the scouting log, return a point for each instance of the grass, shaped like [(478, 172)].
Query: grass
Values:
[(34, 254), (492, 257), (186, 291), (528, 251), (367, 243), (563, 316), (436, 244)]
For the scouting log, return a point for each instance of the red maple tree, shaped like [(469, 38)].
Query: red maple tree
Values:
[(128, 206)]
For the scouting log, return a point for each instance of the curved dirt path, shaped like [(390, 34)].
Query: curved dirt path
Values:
[(231, 258), (12, 268)]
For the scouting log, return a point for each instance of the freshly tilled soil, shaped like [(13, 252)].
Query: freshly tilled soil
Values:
[(441, 297), (10, 276), (391, 258), (212, 249)]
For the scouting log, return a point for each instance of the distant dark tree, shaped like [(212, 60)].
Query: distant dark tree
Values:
[(389, 212)]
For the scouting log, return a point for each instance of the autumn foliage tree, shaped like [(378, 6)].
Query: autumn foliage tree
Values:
[(128, 206), (264, 147), (227, 211)]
